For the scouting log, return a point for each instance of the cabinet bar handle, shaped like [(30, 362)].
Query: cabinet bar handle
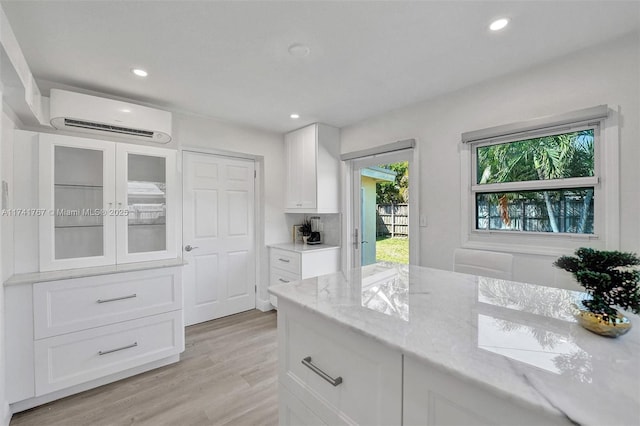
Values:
[(283, 280), (335, 382), (133, 345), (131, 296), (284, 260)]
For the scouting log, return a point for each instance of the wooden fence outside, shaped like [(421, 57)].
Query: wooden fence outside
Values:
[(392, 219)]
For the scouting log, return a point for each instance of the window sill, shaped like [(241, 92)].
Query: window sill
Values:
[(533, 243)]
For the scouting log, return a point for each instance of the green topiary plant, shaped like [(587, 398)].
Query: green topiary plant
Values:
[(608, 276)]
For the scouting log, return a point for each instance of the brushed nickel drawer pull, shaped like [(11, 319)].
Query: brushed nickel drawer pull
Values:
[(282, 280), (131, 296), (328, 378), (133, 345), (284, 260)]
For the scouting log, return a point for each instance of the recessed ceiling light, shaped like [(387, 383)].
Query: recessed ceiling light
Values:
[(498, 24), (299, 50), (139, 72), (125, 110), (295, 116)]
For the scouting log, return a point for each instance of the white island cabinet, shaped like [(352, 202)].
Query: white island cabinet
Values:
[(392, 344)]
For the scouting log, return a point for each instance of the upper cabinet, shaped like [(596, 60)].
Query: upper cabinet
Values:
[(103, 203), (313, 170)]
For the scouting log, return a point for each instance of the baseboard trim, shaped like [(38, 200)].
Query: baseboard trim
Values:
[(5, 419), (264, 305)]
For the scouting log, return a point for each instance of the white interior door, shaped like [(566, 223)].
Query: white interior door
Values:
[(218, 236)]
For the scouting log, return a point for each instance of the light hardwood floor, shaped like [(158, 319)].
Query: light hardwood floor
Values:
[(227, 376)]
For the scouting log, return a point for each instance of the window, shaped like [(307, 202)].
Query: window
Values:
[(545, 186), (544, 182)]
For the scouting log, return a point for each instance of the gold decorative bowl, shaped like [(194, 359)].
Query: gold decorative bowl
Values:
[(596, 324)]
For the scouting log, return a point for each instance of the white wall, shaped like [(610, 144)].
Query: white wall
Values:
[(607, 74)]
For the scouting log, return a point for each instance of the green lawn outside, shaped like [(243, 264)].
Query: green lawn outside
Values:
[(392, 250)]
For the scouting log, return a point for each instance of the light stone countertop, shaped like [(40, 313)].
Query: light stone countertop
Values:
[(36, 277), (303, 248), (518, 340)]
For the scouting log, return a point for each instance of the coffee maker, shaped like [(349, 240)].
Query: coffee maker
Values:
[(316, 230)]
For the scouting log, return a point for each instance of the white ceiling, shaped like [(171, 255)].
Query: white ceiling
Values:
[(229, 60)]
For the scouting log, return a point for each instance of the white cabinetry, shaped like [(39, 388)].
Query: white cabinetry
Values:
[(354, 379), (313, 170), (288, 265), (432, 397), (337, 376), (103, 203), (91, 330)]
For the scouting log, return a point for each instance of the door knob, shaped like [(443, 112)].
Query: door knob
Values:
[(189, 248)]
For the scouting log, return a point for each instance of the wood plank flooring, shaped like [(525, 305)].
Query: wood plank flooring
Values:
[(227, 376)]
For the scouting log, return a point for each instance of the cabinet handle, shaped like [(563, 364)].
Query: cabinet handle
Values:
[(283, 280), (284, 260), (335, 382), (133, 345), (131, 296)]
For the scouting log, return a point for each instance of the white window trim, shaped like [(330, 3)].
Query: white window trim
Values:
[(606, 183)]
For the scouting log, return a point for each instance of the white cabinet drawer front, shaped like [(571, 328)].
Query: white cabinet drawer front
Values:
[(292, 412), (320, 262), (80, 303), (278, 276), (433, 397), (75, 358), (370, 374), (285, 260)]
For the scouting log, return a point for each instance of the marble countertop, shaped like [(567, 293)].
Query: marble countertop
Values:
[(303, 248), (35, 277), (519, 340)]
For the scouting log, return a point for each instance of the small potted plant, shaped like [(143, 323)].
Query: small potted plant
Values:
[(611, 278), (305, 229)]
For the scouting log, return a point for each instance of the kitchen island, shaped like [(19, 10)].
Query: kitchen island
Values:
[(393, 344)]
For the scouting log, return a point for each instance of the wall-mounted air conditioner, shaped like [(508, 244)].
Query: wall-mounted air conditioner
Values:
[(90, 114)]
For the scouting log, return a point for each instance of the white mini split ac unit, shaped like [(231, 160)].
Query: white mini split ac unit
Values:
[(90, 114)]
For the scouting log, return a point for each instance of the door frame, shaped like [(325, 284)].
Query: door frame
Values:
[(261, 266), (397, 151)]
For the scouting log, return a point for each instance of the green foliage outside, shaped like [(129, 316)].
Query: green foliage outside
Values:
[(394, 250), (394, 192), (610, 277), (550, 157)]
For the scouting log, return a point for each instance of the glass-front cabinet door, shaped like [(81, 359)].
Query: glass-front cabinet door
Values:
[(103, 203), (145, 191), (76, 193)]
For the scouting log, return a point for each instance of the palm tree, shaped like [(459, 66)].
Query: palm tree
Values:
[(549, 157)]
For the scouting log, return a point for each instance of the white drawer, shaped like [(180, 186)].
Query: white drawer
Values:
[(292, 412), (371, 374), (286, 260), (279, 276), (80, 303), (71, 359)]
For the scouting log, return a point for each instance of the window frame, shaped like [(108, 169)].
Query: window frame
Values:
[(539, 185), (606, 226)]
